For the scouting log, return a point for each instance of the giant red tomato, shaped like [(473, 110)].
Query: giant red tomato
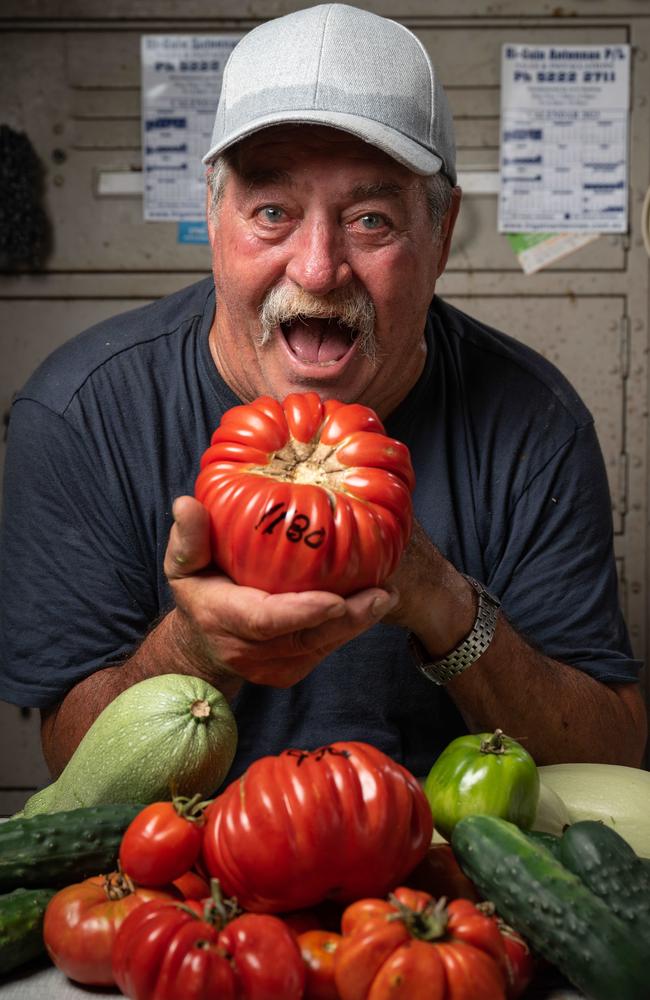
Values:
[(306, 495), (335, 823), (168, 952), (415, 948)]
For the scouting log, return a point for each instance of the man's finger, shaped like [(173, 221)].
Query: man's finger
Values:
[(314, 620), (188, 549)]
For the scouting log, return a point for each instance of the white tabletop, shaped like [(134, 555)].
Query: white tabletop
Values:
[(47, 983)]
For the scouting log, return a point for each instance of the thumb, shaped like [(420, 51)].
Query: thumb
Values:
[(188, 549)]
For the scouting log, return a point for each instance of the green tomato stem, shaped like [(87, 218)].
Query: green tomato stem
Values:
[(495, 743)]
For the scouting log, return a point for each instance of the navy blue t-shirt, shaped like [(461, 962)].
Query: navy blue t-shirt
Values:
[(510, 486)]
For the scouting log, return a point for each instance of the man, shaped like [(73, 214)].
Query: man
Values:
[(332, 199)]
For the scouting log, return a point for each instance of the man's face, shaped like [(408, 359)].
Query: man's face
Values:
[(333, 241)]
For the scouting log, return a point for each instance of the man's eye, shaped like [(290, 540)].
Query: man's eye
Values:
[(372, 220), (271, 213)]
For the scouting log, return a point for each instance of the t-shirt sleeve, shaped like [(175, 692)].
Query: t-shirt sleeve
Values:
[(76, 596), (554, 566)]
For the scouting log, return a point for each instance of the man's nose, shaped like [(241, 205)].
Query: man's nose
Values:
[(318, 259)]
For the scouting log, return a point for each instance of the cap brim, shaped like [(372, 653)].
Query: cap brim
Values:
[(410, 154)]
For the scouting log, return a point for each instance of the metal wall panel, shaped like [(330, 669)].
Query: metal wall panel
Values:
[(30, 330), (551, 325), (69, 76)]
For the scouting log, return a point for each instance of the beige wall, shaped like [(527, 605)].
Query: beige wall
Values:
[(69, 78)]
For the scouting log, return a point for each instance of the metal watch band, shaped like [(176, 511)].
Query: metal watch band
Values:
[(469, 650)]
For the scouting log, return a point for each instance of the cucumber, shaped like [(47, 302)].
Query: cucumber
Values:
[(21, 926), (171, 734), (612, 870), (65, 847), (547, 840), (555, 912)]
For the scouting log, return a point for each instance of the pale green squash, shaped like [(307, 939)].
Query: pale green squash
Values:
[(171, 732)]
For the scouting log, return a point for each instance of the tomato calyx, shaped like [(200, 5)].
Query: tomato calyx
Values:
[(428, 924), (317, 754), (192, 809), (305, 462), (219, 910), (117, 885), (496, 743), (488, 909)]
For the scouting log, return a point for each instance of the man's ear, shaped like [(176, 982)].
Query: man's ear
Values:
[(447, 228), (209, 213)]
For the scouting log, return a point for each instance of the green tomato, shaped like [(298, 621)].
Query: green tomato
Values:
[(484, 773)]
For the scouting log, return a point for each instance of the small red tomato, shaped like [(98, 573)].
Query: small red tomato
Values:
[(440, 874), (163, 841), (82, 920), (192, 885), (318, 949), (520, 961)]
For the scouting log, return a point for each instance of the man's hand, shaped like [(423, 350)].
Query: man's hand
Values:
[(249, 634)]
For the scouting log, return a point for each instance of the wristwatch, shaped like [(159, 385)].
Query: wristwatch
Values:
[(473, 646)]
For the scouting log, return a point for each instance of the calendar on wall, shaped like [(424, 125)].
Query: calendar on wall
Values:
[(564, 138), (181, 82)]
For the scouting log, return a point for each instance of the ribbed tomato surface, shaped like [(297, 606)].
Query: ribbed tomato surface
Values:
[(306, 495)]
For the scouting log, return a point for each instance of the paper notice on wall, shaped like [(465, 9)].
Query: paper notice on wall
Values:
[(181, 81), (564, 138), (537, 250)]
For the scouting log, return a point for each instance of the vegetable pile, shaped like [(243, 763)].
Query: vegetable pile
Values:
[(314, 875), (325, 873)]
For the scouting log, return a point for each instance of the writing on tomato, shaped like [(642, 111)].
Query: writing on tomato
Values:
[(335, 823), (306, 495)]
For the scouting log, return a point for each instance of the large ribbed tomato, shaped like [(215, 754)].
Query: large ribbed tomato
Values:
[(415, 947), (306, 495), (338, 823), (189, 952)]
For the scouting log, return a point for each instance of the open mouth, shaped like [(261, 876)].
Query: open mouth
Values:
[(318, 341)]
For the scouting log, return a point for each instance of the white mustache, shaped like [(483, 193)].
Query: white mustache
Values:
[(351, 306)]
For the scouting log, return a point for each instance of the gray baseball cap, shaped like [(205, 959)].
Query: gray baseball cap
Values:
[(347, 68)]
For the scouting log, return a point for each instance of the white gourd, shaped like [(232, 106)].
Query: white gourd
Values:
[(552, 814), (618, 796)]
